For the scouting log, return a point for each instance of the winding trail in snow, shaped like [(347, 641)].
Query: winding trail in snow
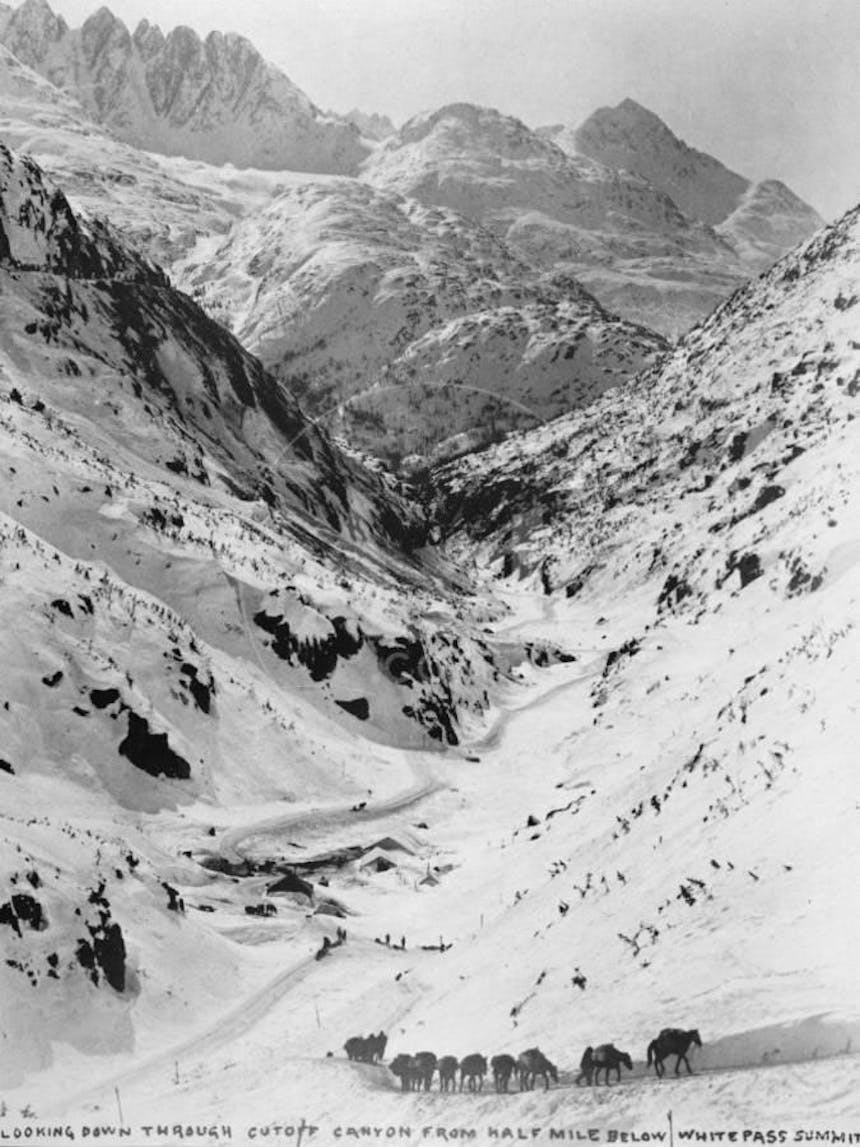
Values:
[(239, 1019), (228, 845)]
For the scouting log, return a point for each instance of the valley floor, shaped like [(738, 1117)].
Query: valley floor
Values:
[(266, 1051)]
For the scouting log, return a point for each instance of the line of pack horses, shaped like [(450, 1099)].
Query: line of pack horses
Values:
[(416, 1072)]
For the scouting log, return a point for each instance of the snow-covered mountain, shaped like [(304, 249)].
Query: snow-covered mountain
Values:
[(631, 137), (165, 206), (769, 376), (407, 326), (603, 730), (761, 221), (637, 234), (333, 284), (491, 168), (215, 100)]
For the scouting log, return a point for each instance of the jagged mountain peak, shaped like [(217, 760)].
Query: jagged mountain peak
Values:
[(213, 99), (149, 39), (34, 27), (37, 11)]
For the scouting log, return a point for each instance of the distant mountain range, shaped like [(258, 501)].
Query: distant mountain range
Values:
[(448, 281), (215, 100)]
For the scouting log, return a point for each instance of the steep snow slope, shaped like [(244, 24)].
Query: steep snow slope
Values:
[(210, 616), (215, 100), (405, 325), (688, 847), (769, 375), (768, 219)]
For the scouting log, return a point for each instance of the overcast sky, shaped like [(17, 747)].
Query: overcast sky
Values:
[(770, 87)]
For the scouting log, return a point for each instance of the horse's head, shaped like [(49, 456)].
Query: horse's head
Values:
[(553, 1070), (626, 1060), (695, 1037)]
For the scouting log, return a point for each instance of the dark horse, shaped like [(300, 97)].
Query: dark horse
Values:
[(607, 1058), (672, 1041), (472, 1071), (533, 1063), (503, 1067), (448, 1065), (424, 1067), (403, 1066)]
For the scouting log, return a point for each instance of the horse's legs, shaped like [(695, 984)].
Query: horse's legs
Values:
[(687, 1062)]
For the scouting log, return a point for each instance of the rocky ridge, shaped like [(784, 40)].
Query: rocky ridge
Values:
[(215, 100)]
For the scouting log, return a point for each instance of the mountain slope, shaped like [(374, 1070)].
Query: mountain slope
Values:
[(701, 530), (602, 206), (552, 206), (618, 233), (214, 100), (630, 136), (233, 727), (207, 608), (667, 818), (426, 325), (772, 370), (759, 222)]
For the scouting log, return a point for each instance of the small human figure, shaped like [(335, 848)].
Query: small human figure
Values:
[(578, 979), (403, 943), (387, 939)]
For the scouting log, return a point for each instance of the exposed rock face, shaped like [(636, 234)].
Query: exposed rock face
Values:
[(215, 100), (151, 752)]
